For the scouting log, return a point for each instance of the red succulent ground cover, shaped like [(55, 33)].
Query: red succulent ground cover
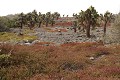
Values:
[(69, 61), (64, 24)]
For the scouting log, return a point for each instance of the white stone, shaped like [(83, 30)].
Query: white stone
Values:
[(92, 58)]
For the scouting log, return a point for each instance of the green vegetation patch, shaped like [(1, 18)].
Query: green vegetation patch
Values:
[(6, 36)]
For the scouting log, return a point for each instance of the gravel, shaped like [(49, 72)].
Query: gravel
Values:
[(69, 36)]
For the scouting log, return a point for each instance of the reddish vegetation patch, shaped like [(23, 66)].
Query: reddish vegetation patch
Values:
[(65, 62), (68, 24), (64, 24)]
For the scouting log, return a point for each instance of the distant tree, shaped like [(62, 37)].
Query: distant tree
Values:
[(40, 19), (32, 19), (43, 18), (81, 20), (67, 16), (107, 17), (52, 19), (56, 15), (21, 20), (91, 16), (73, 15), (75, 26), (47, 18), (87, 19)]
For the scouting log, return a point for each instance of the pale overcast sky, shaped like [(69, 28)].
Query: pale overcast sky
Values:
[(62, 6)]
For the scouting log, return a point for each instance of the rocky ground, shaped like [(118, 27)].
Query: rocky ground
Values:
[(54, 35), (69, 36), (113, 35)]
